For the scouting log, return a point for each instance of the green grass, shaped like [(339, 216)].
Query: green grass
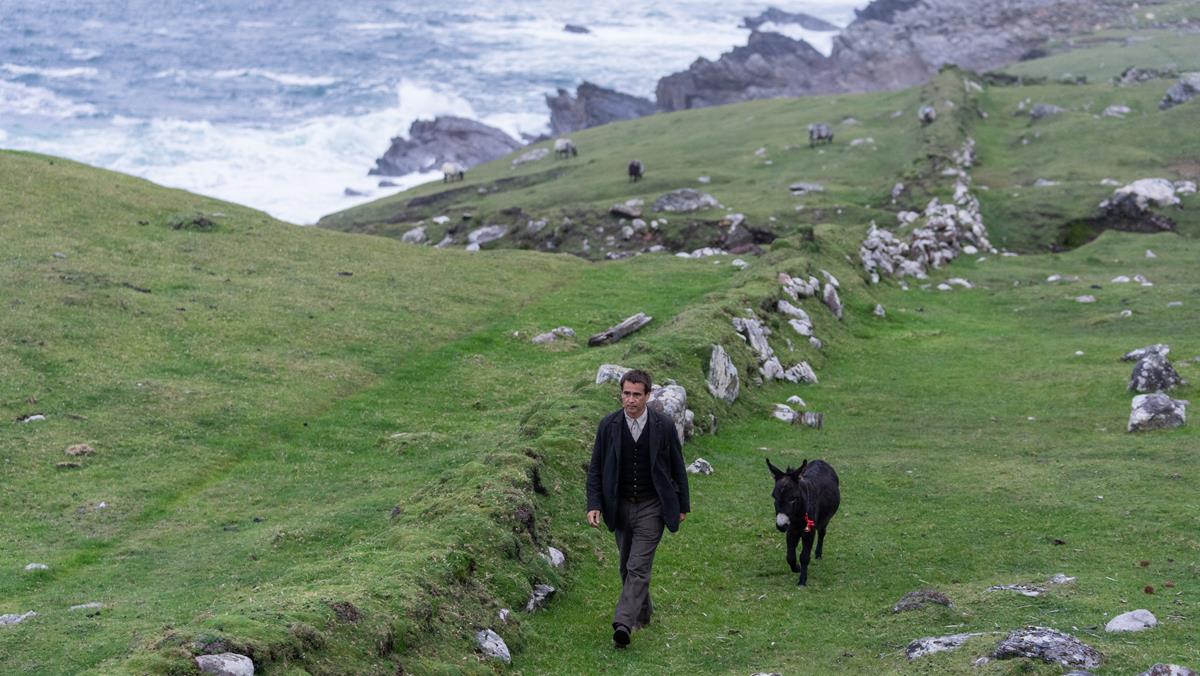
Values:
[(291, 419)]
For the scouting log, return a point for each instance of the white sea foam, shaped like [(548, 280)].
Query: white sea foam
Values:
[(391, 26), (288, 79), (81, 54), (19, 99), (57, 73)]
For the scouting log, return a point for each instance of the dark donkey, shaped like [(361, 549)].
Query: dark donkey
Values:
[(805, 500)]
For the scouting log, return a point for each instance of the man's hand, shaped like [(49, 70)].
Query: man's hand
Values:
[(593, 518), (682, 516)]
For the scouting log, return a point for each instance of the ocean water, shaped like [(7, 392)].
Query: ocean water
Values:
[(284, 104)]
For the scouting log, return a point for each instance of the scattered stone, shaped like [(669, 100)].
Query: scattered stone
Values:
[(1022, 589), (739, 264), (531, 156), (554, 557), (492, 645), (1116, 111), (1135, 198), (1048, 645), (815, 342), (1153, 373), (1150, 254), (553, 335), (704, 179), (685, 199), (796, 401), (1044, 183), (1044, 110), (503, 614), (1175, 303), (538, 597), (1156, 411), (86, 606), (32, 417), (1185, 187), (1121, 279), (60, 255), (802, 326), (959, 281), (1109, 182), (36, 566), (830, 297), (1161, 669), (800, 373), (785, 413), (914, 600), (671, 401), (798, 288), (723, 382), (415, 236), (488, 233), (1060, 578), (1085, 299), (68, 465), (1182, 91), (609, 373), (16, 619), (944, 287), (615, 333), (226, 664), (936, 644), (625, 211), (803, 188), (1137, 355), (1134, 620), (700, 466), (80, 449), (867, 140)]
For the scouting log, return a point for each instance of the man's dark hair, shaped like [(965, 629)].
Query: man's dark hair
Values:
[(636, 376)]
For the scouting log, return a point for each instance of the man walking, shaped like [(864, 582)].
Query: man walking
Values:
[(637, 484)]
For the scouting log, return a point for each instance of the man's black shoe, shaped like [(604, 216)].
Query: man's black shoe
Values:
[(621, 636)]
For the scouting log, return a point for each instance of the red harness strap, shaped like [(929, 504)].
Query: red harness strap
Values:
[(808, 523)]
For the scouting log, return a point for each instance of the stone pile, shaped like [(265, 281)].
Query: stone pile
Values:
[(723, 382), (753, 331), (939, 235)]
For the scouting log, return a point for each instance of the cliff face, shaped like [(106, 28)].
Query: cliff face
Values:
[(592, 106), (892, 44), (444, 139)]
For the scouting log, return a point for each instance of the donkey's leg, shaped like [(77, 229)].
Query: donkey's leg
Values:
[(793, 537), (820, 541), (808, 541)]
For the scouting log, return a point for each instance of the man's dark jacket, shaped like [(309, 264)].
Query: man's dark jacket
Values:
[(666, 468)]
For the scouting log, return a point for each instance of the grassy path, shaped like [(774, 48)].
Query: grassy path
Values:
[(970, 438)]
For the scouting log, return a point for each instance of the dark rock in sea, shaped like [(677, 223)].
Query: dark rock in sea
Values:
[(593, 106), (351, 192), (575, 28), (891, 45), (431, 143), (778, 16)]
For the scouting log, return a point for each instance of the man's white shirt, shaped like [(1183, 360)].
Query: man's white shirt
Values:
[(636, 425)]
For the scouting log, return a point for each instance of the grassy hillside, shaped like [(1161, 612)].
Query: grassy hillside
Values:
[(342, 454)]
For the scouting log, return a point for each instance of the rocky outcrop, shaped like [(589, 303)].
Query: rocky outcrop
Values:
[(225, 664), (1156, 411), (1153, 373), (723, 380), (1182, 91), (1134, 620), (431, 143), (1048, 645), (892, 44), (777, 16), (593, 106)]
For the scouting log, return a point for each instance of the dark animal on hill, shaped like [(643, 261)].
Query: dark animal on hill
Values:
[(565, 147), (819, 132), (805, 500), (452, 171), (636, 169), (927, 115)]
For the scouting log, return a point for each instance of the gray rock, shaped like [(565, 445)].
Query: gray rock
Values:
[(1153, 373), (1022, 589), (1135, 199), (685, 199), (1116, 111), (226, 664), (1134, 620), (492, 645), (1048, 645), (936, 644), (1161, 669), (700, 466), (16, 619), (1060, 578), (796, 401), (94, 605), (415, 236), (800, 373), (488, 233), (593, 106), (915, 600), (723, 382), (554, 334), (671, 401), (832, 301), (803, 188), (554, 557), (609, 373), (1085, 299), (777, 16), (530, 156), (802, 326), (35, 567), (503, 614), (538, 597), (755, 334), (444, 139), (625, 211), (1044, 110), (1182, 91), (879, 311)]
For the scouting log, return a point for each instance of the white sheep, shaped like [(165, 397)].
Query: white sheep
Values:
[(453, 171), (564, 147)]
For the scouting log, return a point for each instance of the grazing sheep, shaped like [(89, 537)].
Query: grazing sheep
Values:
[(819, 132), (564, 147), (452, 171), (927, 114), (636, 169)]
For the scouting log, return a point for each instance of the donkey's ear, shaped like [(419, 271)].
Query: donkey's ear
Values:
[(803, 464), (775, 470)]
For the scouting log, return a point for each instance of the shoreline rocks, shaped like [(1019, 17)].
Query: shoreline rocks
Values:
[(446, 138)]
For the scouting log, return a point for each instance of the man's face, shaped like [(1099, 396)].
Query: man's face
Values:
[(633, 399)]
